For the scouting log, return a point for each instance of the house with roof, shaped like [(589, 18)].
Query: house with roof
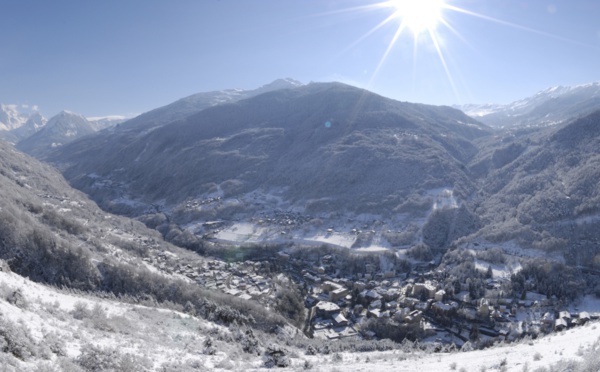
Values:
[(339, 320), (560, 324), (584, 317), (326, 309)]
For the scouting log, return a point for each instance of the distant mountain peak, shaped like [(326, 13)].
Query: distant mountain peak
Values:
[(284, 83), (67, 113), (19, 121), (547, 107), (62, 128), (195, 103)]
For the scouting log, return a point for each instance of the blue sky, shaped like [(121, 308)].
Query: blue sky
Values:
[(129, 56)]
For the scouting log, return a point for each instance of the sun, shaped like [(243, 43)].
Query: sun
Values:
[(418, 15)]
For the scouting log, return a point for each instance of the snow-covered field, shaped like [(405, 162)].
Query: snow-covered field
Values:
[(281, 222)]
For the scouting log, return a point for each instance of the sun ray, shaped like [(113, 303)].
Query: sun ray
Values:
[(387, 52), (414, 66), (436, 44), (369, 33), (457, 34), (517, 26), (427, 22)]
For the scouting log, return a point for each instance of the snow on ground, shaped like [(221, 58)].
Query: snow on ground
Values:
[(242, 232), (513, 248), (160, 335), (246, 232), (526, 355), (498, 271), (591, 304), (41, 294), (371, 249), (335, 238), (166, 336), (443, 198)]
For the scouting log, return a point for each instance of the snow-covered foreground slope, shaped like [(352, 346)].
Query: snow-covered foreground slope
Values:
[(42, 326), (580, 345), (46, 329)]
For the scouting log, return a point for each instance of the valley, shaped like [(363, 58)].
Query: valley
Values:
[(321, 217)]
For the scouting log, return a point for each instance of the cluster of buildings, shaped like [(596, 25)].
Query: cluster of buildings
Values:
[(282, 218), (240, 279), (197, 202), (338, 306)]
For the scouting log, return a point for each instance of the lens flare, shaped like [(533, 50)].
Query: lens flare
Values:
[(418, 15), (430, 23)]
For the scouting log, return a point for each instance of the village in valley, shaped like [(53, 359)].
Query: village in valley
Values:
[(417, 301), (341, 307)]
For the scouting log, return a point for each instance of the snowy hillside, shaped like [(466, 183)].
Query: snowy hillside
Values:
[(548, 107), (13, 116), (19, 121), (197, 102), (61, 129), (103, 122), (46, 329)]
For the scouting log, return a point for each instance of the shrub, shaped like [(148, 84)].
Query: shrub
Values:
[(249, 342), (55, 343), (80, 311), (276, 356), (95, 358), (99, 319), (45, 367), (16, 340), (209, 349), (16, 298), (291, 305), (66, 365), (310, 350), (60, 222)]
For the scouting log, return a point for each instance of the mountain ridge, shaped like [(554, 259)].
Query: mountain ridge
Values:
[(194, 103), (62, 128), (268, 133), (548, 107)]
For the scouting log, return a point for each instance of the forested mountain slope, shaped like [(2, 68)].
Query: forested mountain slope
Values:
[(541, 189), (55, 235), (323, 147)]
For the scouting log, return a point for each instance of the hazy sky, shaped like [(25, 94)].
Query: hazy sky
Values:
[(129, 56)]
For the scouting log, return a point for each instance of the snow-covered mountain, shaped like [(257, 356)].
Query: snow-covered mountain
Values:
[(62, 128), (103, 122), (12, 117), (34, 123), (307, 140), (549, 107), (197, 102), (19, 121)]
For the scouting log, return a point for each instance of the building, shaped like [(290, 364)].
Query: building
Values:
[(584, 317), (439, 295), (424, 289), (339, 320), (326, 308), (338, 294), (560, 324)]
